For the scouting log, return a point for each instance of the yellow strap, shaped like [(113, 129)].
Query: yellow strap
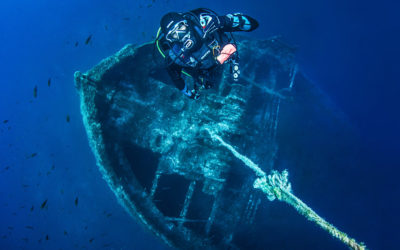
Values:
[(158, 46)]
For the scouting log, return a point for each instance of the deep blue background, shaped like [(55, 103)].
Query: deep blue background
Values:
[(348, 48)]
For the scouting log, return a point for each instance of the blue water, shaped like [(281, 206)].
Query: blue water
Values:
[(348, 48)]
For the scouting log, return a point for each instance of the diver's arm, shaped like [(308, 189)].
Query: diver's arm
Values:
[(174, 71)]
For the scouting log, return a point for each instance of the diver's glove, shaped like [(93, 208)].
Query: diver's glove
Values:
[(209, 23), (192, 94), (195, 95), (204, 83)]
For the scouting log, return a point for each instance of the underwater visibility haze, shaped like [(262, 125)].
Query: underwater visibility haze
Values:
[(99, 150)]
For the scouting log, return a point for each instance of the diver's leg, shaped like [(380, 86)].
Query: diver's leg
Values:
[(238, 22)]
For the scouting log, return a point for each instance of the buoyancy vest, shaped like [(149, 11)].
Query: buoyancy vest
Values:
[(205, 53)]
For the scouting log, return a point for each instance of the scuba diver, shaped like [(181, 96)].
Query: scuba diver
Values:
[(196, 44)]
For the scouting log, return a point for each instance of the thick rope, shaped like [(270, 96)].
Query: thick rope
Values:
[(277, 186)]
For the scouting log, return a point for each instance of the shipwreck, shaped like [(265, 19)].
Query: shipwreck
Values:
[(201, 174)]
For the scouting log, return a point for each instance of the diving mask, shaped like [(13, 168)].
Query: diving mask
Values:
[(178, 32)]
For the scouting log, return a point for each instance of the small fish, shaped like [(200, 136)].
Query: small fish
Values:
[(65, 232), (4, 236), (32, 155), (35, 91), (29, 227), (149, 5), (49, 82), (22, 206), (76, 44), (7, 168), (107, 245), (85, 227), (143, 34), (47, 237), (88, 39), (25, 239), (109, 215), (68, 118), (61, 191), (76, 201), (53, 167), (5, 121), (91, 240), (10, 228), (44, 204), (32, 208), (106, 27), (40, 240), (126, 18), (15, 214), (25, 185)]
